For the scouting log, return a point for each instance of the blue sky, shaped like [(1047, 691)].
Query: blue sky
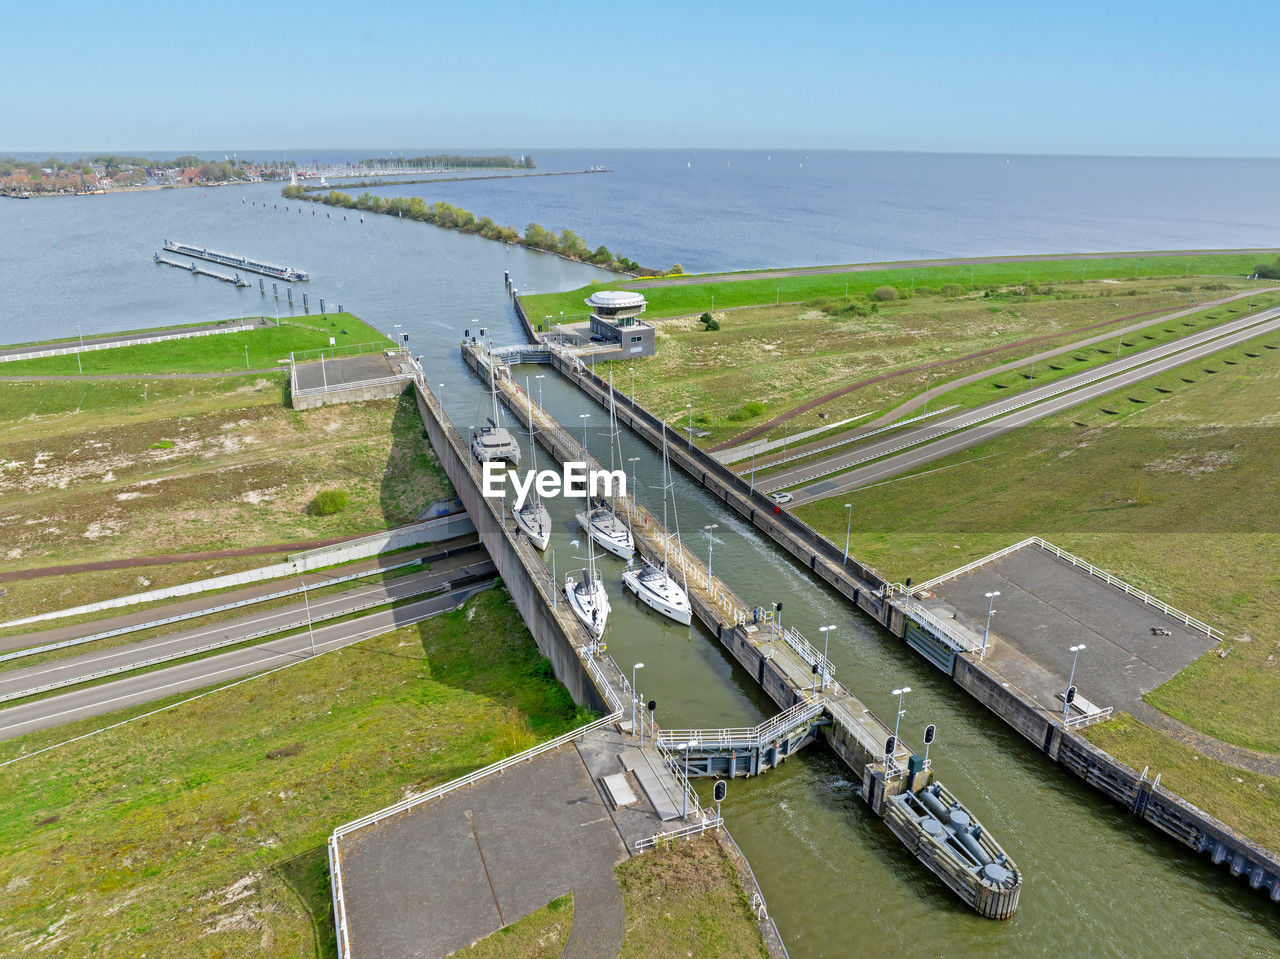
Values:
[(1122, 77)]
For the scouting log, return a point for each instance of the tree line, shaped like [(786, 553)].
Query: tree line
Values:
[(566, 243)]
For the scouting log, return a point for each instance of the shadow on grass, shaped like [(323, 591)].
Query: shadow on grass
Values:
[(412, 477), (307, 874)]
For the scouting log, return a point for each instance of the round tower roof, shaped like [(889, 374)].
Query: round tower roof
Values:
[(615, 299)]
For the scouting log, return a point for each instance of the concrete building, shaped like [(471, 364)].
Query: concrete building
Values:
[(615, 318)]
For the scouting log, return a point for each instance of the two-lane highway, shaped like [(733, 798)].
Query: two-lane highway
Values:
[(223, 667), (967, 429), (72, 670)]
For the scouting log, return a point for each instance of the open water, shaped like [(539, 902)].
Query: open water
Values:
[(837, 882)]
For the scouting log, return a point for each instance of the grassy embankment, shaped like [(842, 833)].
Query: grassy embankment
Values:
[(98, 470), (771, 359), (199, 832), (680, 299), (222, 353), (681, 900), (1170, 485)]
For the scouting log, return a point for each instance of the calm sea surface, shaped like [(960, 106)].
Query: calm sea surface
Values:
[(837, 882)]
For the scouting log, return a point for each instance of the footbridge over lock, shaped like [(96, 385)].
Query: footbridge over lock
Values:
[(793, 673)]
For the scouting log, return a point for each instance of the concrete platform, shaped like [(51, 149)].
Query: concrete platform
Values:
[(345, 371), (1047, 605), (446, 873)]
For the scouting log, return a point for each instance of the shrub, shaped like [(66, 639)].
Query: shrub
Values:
[(709, 322), (747, 411), (676, 268), (951, 289), (328, 502), (883, 294)]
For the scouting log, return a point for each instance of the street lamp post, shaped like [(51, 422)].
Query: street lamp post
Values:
[(584, 417), (1066, 706), (690, 405), (440, 395), (753, 472), (79, 365), (848, 529), (710, 544), (633, 701), (540, 377), (633, 386), (898, 718), (691, 745), (991, 602), (307, 602), (826, 639)]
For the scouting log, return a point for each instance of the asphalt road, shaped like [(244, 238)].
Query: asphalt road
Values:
[(970, 427), (130, 691), (72, 670)]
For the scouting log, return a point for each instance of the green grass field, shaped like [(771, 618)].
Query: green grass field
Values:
[(681, 299), (1168, 484), (769, 360), (201, 830), (225, 352)]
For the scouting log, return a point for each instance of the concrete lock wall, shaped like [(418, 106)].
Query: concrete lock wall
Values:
[(347, 394), (489, 518)]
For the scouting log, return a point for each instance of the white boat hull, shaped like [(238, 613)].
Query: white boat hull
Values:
[(608, 532), (535, 523), (591, 606), (669, 598)]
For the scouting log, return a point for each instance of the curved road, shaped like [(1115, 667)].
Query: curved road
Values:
[(961, 430), (83, 703)]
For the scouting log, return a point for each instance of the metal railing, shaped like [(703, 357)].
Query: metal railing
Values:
[(694, 829), (339, 900), (472, 778), (347, 387), (1088, 719), (115, 344), (809, 653), (353, 349), (746, 737), (951, 633), (1186, 619), (1189, 621)]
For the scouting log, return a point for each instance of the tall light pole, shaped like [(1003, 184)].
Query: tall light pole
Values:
[(1066, 706), (690, 405), (991, 602), (848, 529), (898, 718), (307, 602), (634, 694), (753, 472), (540, 377), (688, 747), (826, 639), (633, 386), (584, 417), (711, 539), (79, 365)]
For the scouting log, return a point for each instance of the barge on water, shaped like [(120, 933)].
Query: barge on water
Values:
[(287, 273)]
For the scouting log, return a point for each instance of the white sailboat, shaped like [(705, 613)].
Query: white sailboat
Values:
[(532, 518), (494, 442), (603, 524), (652, 583), (587, 596)]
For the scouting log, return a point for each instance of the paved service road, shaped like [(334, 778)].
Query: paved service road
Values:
[(970, 427), (224, 667), (72, 670)]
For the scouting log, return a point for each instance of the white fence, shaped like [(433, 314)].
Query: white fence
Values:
[(113, 344), (1186, 619), (429, 531)]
